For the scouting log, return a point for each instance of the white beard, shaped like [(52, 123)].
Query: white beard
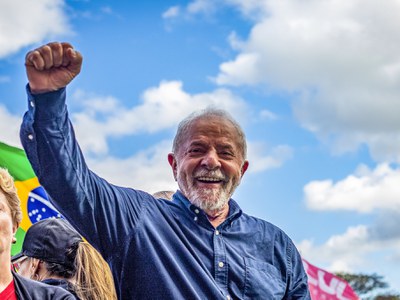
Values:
[(209, 199)]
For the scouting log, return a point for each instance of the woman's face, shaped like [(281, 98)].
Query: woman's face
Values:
[(7, 228)]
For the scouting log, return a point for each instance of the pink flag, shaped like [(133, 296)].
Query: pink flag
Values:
[(326, 286)]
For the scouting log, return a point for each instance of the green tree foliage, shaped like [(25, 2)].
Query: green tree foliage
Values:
[(367, 285), (363, 283), (387, 297)]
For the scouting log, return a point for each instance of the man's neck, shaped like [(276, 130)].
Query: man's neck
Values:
[(217, 217)]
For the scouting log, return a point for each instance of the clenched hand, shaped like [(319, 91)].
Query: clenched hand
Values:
[(52, 66)]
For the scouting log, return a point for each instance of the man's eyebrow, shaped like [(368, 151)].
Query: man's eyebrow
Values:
[(225, 146), (197, 143)]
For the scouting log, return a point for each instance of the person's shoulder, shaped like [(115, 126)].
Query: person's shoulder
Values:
[(264, 226), (39, 290), (261, 222)]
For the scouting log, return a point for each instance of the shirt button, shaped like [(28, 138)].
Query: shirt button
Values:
[(195, 218), (216, 232), (32, 103), (228, 297), (196, 211), (221, 264), (30, 136)]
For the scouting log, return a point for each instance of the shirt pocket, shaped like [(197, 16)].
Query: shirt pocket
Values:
[(262, 281)]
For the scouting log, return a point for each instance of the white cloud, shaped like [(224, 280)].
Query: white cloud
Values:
[(25, 22), (201, 6), (268, 115), (265, 157), (244, 70), (9, 127), (341, 57), (162, 108), (338, 250), (250, 8), (347, 255), (361, 249), (171, 12), (364, 192), (194, 8), (373, 248), (147, 170)]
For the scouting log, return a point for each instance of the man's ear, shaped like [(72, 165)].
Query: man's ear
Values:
[(172, 163), (244, 167)]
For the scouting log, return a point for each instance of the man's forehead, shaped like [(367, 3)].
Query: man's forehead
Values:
[(220, 142), (211, 125), (215, 138), (212, 129)]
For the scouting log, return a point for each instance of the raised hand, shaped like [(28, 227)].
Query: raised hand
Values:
[(52, 66)]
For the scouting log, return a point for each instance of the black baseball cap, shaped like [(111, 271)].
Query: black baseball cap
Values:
[(49, 240)]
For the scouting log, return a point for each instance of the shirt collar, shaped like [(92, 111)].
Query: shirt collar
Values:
[(234, 209)]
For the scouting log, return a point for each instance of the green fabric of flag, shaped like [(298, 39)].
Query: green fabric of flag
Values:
[(15, 160)]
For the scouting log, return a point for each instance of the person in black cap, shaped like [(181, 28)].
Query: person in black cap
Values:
[(55, 254), (12, 285)]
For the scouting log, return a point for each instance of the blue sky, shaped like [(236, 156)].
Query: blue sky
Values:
[(315, 85)]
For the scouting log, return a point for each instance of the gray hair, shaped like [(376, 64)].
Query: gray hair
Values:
[(184, 126)]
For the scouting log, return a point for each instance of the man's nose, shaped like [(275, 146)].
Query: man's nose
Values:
[(211, 160)]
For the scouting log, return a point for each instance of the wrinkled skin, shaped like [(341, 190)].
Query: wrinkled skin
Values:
[(209, 165)]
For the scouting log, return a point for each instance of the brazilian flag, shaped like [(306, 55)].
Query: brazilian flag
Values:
[(34, 200)]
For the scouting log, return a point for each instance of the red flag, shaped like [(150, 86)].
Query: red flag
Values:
[(326, 286)]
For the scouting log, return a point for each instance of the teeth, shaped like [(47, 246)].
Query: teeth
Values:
[(209, 179)]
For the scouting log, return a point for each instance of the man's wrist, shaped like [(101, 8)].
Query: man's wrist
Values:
[(36, 91)]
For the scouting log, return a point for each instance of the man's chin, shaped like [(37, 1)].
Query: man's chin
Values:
[(210, 203)]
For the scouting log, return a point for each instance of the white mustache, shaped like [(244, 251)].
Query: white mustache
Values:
[(217, 174)]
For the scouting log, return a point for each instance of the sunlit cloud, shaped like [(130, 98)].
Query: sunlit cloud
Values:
[(171, 12), (364, 192), (9, 127), (360, 249), (24, 22), (338, 57), (262, 157), (146, 170), (104, 117)]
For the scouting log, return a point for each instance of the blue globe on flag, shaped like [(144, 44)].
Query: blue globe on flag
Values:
[(39, 207)]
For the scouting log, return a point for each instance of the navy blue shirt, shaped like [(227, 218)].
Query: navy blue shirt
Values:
[(27, 289), (65, 284), (157, 249)]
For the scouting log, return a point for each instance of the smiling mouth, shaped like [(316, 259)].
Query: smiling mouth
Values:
[(209, 179)]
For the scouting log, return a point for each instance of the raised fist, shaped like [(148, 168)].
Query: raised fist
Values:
[(52, 66)]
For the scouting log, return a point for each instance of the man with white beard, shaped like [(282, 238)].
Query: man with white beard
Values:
[(200, 245)]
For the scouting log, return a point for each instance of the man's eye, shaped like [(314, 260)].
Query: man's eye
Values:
[(195, 150), (226, 153)]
